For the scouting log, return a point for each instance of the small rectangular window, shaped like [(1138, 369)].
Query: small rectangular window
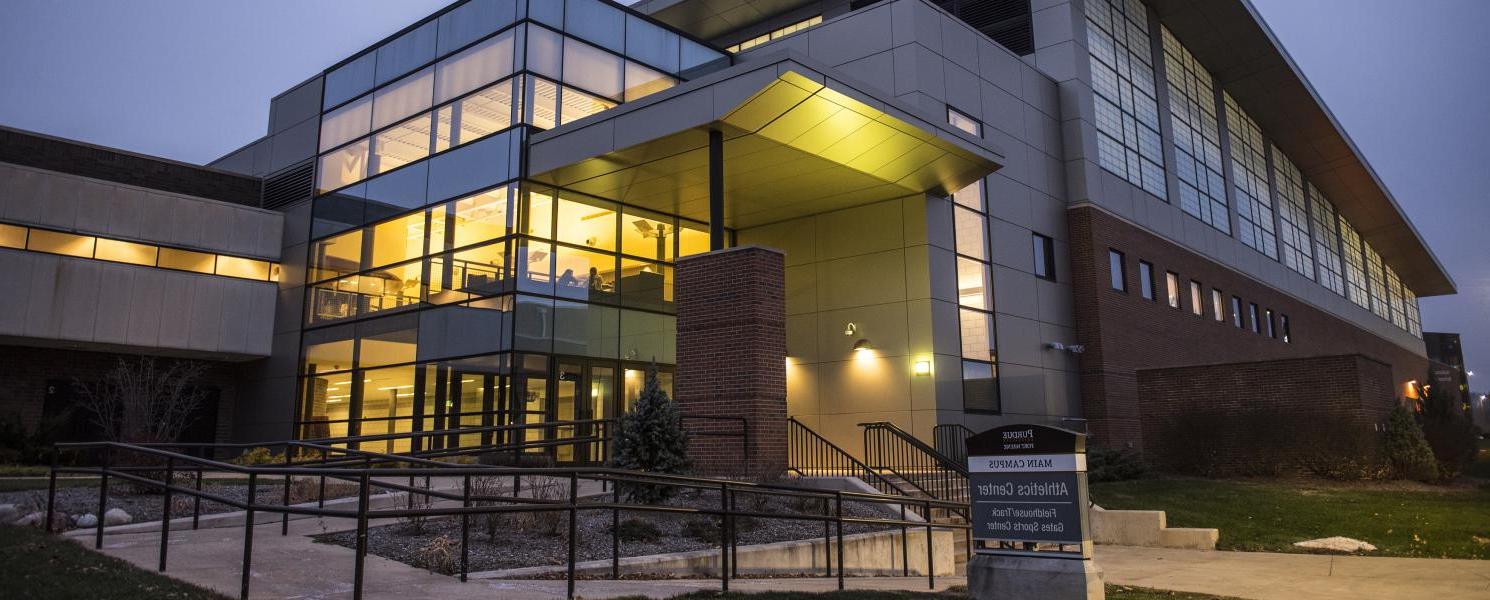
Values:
[(186, 260), (1287, 335), (1272, 329), (12, 236), (1117, 272), (1172, 286), (1146, 280), (125, 252), (1197, 304), (964, 122), (1252, 312), (1236, 313), (1044, 256), (1217, 309), (56, 242)]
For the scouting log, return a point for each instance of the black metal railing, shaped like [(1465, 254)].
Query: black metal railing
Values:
[(950, 440), (158, 468), (812, 455), (890, 449)]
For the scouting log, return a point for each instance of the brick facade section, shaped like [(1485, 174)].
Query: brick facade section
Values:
[(731, 358), (1124, 334), (25, 372), (1261, 418)]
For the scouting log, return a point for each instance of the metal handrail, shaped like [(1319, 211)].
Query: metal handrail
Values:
[(810, 454), (891, 449), (368, 477), (950, 439)]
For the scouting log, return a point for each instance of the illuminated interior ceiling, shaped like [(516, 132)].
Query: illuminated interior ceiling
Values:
[(795, 147)]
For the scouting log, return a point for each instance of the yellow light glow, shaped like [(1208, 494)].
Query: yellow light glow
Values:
[(922, 368)]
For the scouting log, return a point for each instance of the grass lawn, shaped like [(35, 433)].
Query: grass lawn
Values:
[(36, 565), (16, 484), (1271, 516), (1114, 592)]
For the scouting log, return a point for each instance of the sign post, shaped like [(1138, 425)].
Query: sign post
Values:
[(1031, 533)]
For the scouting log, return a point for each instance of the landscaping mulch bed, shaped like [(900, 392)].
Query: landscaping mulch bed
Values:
[(146, 506), (533, 541)]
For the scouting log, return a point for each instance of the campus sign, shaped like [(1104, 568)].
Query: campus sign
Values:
[(1028, 489)]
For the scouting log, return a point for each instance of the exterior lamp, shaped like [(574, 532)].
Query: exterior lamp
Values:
[(863, 344), (922, 368), (850, 329)]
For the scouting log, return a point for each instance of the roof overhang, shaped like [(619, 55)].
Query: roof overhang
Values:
[(1231, 39), (709, 19), (797, 142)]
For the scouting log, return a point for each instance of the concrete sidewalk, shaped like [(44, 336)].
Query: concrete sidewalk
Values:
[(294, 566), (1274, 576)]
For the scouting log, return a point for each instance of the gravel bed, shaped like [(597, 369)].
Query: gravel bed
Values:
[(75, 501), (519, 542)]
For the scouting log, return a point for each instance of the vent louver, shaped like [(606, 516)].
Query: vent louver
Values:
[(1006, 21), (289, 186)]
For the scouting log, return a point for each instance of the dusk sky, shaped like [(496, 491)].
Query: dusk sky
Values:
[(191, 80)]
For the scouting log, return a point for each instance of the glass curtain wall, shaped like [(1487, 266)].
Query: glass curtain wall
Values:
[(1293, 216), (1128, 142), (980, 390), (1254, 204), (1326, 241), (1197, 136)]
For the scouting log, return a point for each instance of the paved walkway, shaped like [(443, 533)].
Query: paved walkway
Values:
[(1273, 576), (294, 566)]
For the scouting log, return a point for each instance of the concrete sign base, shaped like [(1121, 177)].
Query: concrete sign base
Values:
[(1032, 578)]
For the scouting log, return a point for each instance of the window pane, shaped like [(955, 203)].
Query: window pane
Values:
[(473, 20), (246, 268), (642, 81), (586, 329), (387, 341), (479, 271), (1196, 304), (390, 288), (1116, 271), (407, 52), (651, 44), (410, 95), (342, 167), (387, 406), (480, 65), (648, 337), (970, 235), (533, 325), (476, 218), (592, 69), (349, 80), (596, 21), (586, 222), (336, 256), (972, 283), (970, 196), (129, 252), (645, 285), (693, 238), (483, 113), (980, 386), (577, 105), (61, 243), (12, 236), (396, 240), (184, 260), (534, 262), (346, 124), (544, 51), (328, 350), (584, 275), (400, 145), (473, 167), (965, 123), (543, 103), (1146, 280), (1172, 286), (646, 234), (538, 216), (977, 335), (333, 300)]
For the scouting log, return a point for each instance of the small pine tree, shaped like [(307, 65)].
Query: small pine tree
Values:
[(1449, 432), (1408, 450), (650, 438)]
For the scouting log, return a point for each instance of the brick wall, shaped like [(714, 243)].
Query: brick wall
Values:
[(731, 358), (1263, 418), (1125, 334), (25, 373)]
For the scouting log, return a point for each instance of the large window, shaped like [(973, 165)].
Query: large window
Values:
[(1293, 217), (975, 300), (1326, 241), (1355, 265), (1376, 283), (1249, 172), (1128, 141), (1197, 136)]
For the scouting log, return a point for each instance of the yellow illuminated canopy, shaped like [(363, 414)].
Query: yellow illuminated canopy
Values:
[(794, 147)]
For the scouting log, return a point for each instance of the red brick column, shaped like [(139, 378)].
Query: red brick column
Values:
[(732, 359)]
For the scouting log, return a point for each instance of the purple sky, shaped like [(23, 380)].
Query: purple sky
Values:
[(191, 80)]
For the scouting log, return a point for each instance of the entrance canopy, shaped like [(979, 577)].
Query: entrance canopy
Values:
[(796, 142)]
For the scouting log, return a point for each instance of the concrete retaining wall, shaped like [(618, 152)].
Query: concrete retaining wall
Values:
[(1147, 528)]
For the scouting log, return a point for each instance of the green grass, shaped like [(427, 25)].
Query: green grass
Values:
[(17, 484), (1114, 592), (36, 565), (24, 470), (1254, 516)]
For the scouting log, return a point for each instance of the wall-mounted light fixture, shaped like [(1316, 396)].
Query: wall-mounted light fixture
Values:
[(850, 329), (863, 344), (922, 368)]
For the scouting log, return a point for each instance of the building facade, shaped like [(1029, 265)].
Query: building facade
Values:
[(989, 212)]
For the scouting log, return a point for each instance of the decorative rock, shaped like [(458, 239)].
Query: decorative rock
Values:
[(1336, 544), (31, 520), (115, 516), (8, 513), (87, 520)]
